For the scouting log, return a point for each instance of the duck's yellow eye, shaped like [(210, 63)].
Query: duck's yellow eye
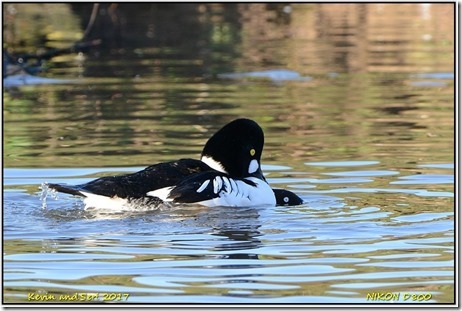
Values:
[(252, 152)]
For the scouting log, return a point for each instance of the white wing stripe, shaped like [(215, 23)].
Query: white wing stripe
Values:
[(162, 193), (219, 183), (203, 186), (227, 185), (235, 186), (215, 185)]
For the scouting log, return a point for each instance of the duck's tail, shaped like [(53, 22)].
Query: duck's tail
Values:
[(67, 189)]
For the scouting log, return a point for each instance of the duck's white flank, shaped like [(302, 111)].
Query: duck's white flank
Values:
[(92, 200), (230, 192), (238, 193)]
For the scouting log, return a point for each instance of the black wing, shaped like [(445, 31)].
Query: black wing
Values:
[(136, 185)]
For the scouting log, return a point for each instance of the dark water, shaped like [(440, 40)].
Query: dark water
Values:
[(358, 112)]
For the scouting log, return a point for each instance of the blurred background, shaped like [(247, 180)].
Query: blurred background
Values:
[(146, 76), (357, 105)]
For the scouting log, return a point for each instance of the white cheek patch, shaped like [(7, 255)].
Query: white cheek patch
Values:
[(253, 166)]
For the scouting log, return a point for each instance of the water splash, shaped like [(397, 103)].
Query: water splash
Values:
[(47, 191)]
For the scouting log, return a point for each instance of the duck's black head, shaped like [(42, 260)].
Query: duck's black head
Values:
[(286, 198), (236, 149)]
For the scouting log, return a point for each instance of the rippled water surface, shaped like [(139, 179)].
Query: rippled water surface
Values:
[(357, 106)]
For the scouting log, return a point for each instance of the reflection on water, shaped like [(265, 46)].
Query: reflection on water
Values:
[(350, 238), (366, 141)]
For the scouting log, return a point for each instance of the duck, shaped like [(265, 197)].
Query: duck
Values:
[(228, 173)]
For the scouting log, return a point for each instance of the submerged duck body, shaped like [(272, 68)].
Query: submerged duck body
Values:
[(228, 174)]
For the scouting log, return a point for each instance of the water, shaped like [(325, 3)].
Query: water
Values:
[(367, 144)]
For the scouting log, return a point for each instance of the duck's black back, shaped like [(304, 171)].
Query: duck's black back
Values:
[(136, 185)]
